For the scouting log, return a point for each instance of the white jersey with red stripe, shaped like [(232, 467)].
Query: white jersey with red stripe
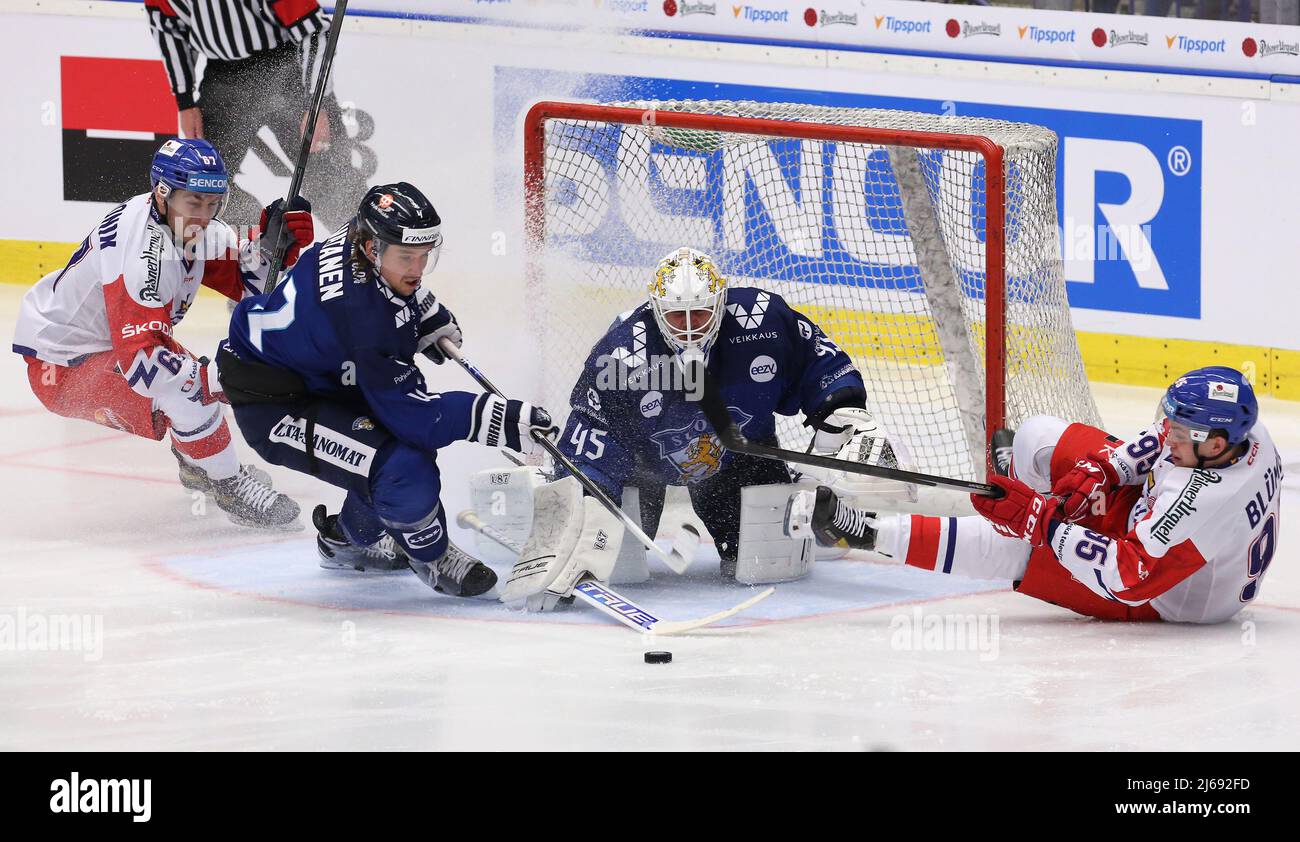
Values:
[(1199, 540), (128, 284)]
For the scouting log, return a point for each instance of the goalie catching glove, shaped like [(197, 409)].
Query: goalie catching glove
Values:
[(573, 538), (500, 422), (854, 435)]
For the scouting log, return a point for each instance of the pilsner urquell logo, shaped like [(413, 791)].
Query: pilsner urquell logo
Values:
[(1278, 47), (825, 18), (966, 29), (1118, 39)]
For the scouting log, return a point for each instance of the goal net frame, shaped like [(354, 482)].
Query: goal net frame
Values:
[(894, 140)]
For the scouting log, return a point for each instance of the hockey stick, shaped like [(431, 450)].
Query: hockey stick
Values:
[(606, 600), (687, 540), (715, 409), (309, 131)]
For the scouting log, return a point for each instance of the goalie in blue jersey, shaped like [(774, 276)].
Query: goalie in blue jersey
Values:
[(321, 375), (636, 421)]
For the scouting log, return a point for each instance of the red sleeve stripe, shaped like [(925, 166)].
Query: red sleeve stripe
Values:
[(923, 543), (162, 6), (290, 12)]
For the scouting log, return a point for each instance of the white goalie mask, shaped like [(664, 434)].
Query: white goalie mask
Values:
[(688, 296)]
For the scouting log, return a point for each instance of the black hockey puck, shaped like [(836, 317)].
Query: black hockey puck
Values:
[(658, 657)]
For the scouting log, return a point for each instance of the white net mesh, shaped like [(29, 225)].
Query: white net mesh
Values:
[(895, 276)]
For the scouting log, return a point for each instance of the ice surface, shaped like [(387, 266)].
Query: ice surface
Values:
[(217, 637)]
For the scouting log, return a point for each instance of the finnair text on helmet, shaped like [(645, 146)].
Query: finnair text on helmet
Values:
[(421, 236)]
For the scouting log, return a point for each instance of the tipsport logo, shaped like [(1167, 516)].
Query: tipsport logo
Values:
[(1043, 35), (1196, 46), (755, 14), (903, 26)]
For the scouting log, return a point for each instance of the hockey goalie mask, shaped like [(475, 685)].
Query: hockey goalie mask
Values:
[(688, 296)]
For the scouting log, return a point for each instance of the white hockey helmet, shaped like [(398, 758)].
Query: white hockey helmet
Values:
[(686, 281)]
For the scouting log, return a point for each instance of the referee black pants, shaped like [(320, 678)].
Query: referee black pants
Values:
[(238, 98)]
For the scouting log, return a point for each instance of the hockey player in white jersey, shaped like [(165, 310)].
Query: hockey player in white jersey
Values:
[(1178, 524), (98, 334)]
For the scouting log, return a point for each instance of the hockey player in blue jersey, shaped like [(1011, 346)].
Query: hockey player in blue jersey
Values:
[(329, 358), (635, 422)]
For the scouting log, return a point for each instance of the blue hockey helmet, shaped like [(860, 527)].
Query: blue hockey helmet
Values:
[(1212, 398), (188, 164)]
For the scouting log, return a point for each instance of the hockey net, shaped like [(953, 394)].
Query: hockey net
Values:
[(925, 246)]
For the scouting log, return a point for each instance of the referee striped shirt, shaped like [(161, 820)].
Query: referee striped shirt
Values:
[(230, 30)]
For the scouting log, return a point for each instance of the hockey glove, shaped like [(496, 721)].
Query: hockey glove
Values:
[(293, 229), (1088, 481), (436, 321), (499, 422), (1022, 513), (212, 390)]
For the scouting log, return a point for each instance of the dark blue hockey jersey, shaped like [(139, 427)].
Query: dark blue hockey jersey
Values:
[(351, 339), (631, 415)]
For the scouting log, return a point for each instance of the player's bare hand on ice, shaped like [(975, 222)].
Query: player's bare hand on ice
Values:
[(501, 422), (1021, 513)]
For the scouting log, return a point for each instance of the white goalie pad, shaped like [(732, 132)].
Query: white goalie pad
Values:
[(572, 537), (632, 566), (866, 442), (766, 555), (503, 499)]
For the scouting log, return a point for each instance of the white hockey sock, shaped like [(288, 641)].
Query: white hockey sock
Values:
[(963, 546)]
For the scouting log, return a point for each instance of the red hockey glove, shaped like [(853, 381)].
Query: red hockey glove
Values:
[(212, 391), (292, 228), (1022, 513), (1087, 482)]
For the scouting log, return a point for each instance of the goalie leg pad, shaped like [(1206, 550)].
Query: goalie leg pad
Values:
[(503, 499), (766, 554), (572, 536)]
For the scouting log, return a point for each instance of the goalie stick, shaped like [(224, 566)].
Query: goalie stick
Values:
[(606, 600), (688, 538), (715, 409)]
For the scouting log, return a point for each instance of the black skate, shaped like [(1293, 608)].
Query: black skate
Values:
[(195, 478), (1001, 448), (338, 553), (248, 502), (457, 573), (837, 524)]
